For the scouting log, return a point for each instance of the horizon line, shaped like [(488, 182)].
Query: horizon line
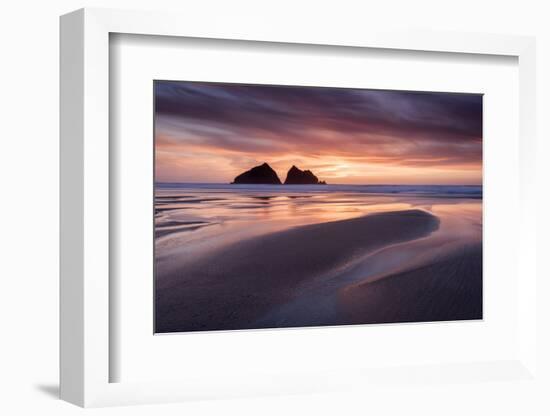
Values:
[(345, 184)]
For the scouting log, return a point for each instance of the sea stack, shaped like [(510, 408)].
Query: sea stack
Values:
[(296, 176), (262, 174)]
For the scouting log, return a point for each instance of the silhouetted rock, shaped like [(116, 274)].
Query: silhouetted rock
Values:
[(262, 174), (296, 176)]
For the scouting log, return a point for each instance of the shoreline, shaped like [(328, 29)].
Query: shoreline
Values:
[(238, 285)]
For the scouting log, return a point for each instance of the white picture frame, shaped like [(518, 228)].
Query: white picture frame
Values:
[(85, 207)]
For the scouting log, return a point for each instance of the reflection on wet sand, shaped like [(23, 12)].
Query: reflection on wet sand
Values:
[(200, 233)]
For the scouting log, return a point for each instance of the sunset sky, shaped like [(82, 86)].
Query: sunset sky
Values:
[(209, 132)]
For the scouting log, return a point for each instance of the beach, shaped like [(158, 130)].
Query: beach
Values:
[(253, 257)]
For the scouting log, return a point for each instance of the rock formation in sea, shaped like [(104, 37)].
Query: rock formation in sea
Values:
[(262, 174), (296, 176)]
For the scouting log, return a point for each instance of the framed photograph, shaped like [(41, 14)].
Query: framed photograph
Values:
[(271, 211), (390, 231)]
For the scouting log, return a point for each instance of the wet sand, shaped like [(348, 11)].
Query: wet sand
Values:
[(447, 289), (247, 284)]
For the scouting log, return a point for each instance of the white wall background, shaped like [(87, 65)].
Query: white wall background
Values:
[(29, 207)]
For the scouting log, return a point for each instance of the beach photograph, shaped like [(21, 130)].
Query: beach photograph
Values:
[(303, 206)]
